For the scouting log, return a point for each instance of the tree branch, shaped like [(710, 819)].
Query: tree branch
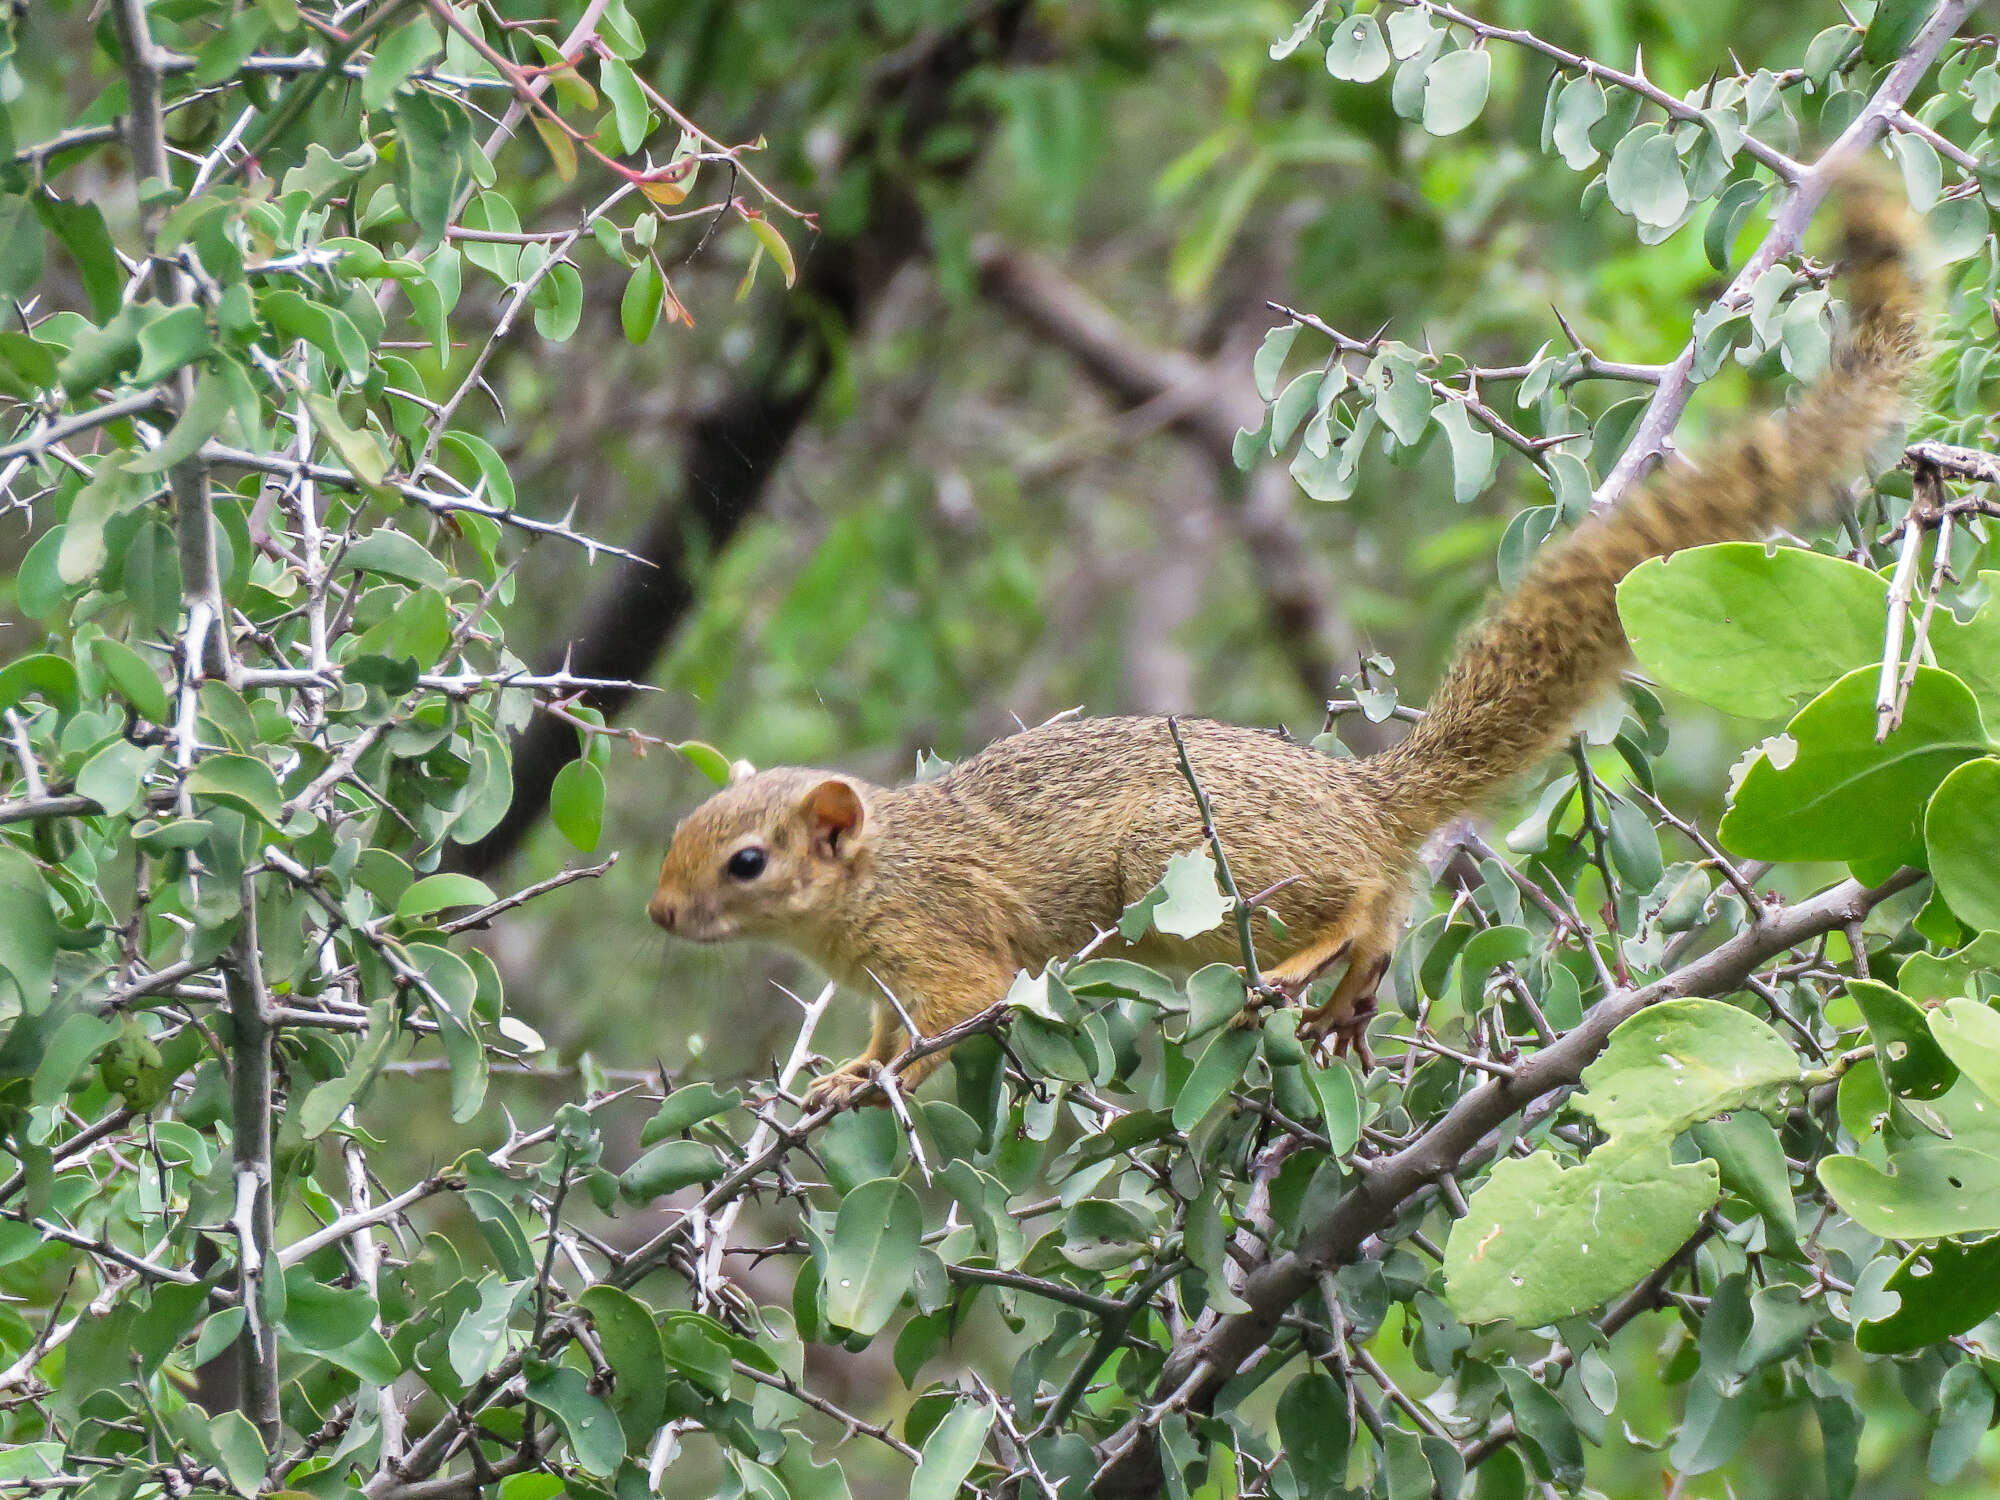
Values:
[(1205, 404), (1788, 227)]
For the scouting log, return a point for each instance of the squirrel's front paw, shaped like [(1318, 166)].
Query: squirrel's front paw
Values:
[(836, 1090)]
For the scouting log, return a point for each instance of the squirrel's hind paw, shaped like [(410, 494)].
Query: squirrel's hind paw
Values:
[(1336, 1029)]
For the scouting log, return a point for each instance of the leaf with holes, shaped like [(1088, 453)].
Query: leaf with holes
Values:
[(1933, 1186), (1912, 1060)]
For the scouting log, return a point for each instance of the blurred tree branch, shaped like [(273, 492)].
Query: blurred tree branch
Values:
[(1205, 403), (737, 444)]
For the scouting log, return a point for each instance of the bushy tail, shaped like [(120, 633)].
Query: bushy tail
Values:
[(1545, 651)]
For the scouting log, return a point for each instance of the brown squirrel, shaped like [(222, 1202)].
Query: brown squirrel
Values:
[(939, 892)]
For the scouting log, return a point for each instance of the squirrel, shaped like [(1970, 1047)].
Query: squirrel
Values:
[(935, 894)]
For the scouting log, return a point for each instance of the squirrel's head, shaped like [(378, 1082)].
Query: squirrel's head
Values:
[(762, 856)]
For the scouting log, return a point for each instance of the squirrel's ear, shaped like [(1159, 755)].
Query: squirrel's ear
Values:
[(834, 814), (740, 770)]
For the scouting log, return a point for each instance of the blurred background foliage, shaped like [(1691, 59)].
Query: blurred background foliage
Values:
[(971, 526)]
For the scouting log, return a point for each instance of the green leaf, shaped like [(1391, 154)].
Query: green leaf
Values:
[(639, 307), (20, 247), (874, 1246), (1644, 178), (1484, 952), (1745, 1146), (1313, 1424), (1891, 29), (324, 1104), (133, 679), (1961, 835), (393, 554), (46, 674), (1965, 1396), (1099, 1234), (1752, 632), (497, 482), (451, 992), (1579, 106), (240, 781), (1934, 1187), (1191, 898), (766, 234), (559, 303), (1682, 1061), (576, 804), (1270, 358), (1726, 221), (29, 364), (358, 448), (397, 55), (1455, 90), (629, 109), (592, 1428), (27, 934), (1968, 1033), (1942, 1290), (1932, 976), (242, 1451), (1912, 1061), (151, 578), (697, 1347), (430, 171), (1218, 1070), (112, 492), (1356, 52), (1215, 996), (1541, 1242), (1845, 797), (115, 776), (1339, 1103), (950, 1451), (328, 329), (65, 1053), (631, 1347), (436, 892), (81, 228), (1402, 395), (688, 1106), (1472, 453), (175, 338), (668, 1168), (324, 1318)]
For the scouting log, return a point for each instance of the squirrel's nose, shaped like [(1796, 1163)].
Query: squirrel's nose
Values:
[(661, 911)]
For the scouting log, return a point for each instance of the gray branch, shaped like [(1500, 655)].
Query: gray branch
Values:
[(1788, 227)]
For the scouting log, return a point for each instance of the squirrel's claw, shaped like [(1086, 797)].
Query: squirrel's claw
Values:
[(1332, 1035), (836, 1090)]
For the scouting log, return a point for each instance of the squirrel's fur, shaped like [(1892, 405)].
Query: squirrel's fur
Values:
[(938, 892)]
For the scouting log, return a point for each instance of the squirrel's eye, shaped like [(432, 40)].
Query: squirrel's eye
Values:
[(746, 864)]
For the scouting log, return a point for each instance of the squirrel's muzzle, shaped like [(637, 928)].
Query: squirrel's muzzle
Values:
[(661, 911)]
